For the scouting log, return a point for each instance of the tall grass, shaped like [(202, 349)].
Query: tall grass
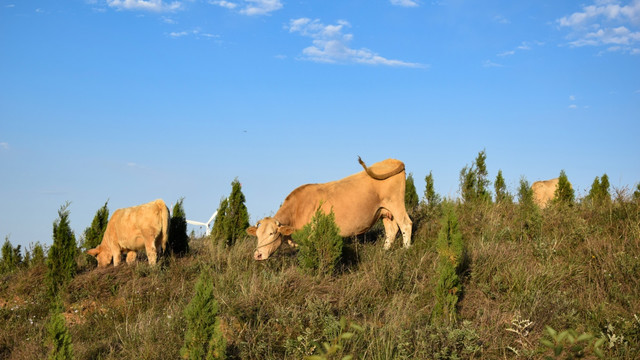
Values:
[(566, 267)]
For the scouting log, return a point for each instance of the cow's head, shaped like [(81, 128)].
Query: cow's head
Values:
[(102, 254), (270, 233)]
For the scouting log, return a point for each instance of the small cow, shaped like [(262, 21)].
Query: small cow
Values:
[(131, 229), (544, 191), (357, 201)]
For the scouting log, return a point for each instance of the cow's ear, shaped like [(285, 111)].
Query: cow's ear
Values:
[(252, 230), (286, 230), (93, 252)]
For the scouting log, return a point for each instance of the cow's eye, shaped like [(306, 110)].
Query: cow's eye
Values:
[(271, 234)]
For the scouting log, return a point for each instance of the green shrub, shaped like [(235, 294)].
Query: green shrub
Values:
[(564, 193), (61, 260), (93, 234), (233, 218), (451, 264), (178, 243), (502, 195), (430, 196), (320, 244), (410, 195), (11, 257), (473, 181), (568, 344), (599, 192), (58, 335), (203, 338)]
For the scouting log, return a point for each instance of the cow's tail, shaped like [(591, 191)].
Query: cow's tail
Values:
[(164, 210), (383, 176)]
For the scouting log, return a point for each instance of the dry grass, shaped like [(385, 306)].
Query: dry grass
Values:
[(572, 267)]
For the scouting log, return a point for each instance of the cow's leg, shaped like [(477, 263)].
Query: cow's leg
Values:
[(116, 258), (405, 225), (151, 252), (400, 216), (390, 231), (131, 257)]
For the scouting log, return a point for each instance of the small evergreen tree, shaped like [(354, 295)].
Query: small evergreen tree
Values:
[(636, 193), (410, 195), (233, 218), (430, 195), (564, 192), (473, 181), (319, 244), (599, 193), (178, 238), (61, 261), (58, 335), (451, 265), (203, 338), (502, 195), (37, 255), (93, 234), (11, 257), (528, 212), (482, 182), (468, 184), (218, 232)]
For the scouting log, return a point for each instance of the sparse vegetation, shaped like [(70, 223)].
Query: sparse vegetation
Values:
[(527, 269)]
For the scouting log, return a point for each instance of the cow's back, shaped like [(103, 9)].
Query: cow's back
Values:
[(129, 227), (544, 191), (355, 200)]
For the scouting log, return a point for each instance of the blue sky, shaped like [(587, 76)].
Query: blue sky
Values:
[(132, 100)]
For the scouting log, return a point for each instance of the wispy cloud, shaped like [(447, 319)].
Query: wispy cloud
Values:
[(4, 145), (524, 46), (250, 7), (331, 45), (607, 24), (573, 106), (572, 97), (145, 5), (491, 64), (405, 3), (501, 19), (195, 33)]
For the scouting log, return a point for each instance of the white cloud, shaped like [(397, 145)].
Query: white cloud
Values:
[(507, 53), (490, 64), (572, 97), (607, 24), (196, 33), (250, 7), (404, 3), (225, 4), (146, 5), (573, 106), (4, 145), (501, 19), (331, 45)]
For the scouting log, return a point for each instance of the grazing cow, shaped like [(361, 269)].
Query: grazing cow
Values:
[(134, 228), (544, 191), (357, 201)]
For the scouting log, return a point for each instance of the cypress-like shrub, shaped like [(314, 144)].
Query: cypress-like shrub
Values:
[(203, 338), (319, 244)]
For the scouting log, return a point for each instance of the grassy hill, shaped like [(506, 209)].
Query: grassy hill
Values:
[(567, 267)]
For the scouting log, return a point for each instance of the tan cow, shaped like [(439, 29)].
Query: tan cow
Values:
[(544, 191), (131, 229), (357, 201)]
